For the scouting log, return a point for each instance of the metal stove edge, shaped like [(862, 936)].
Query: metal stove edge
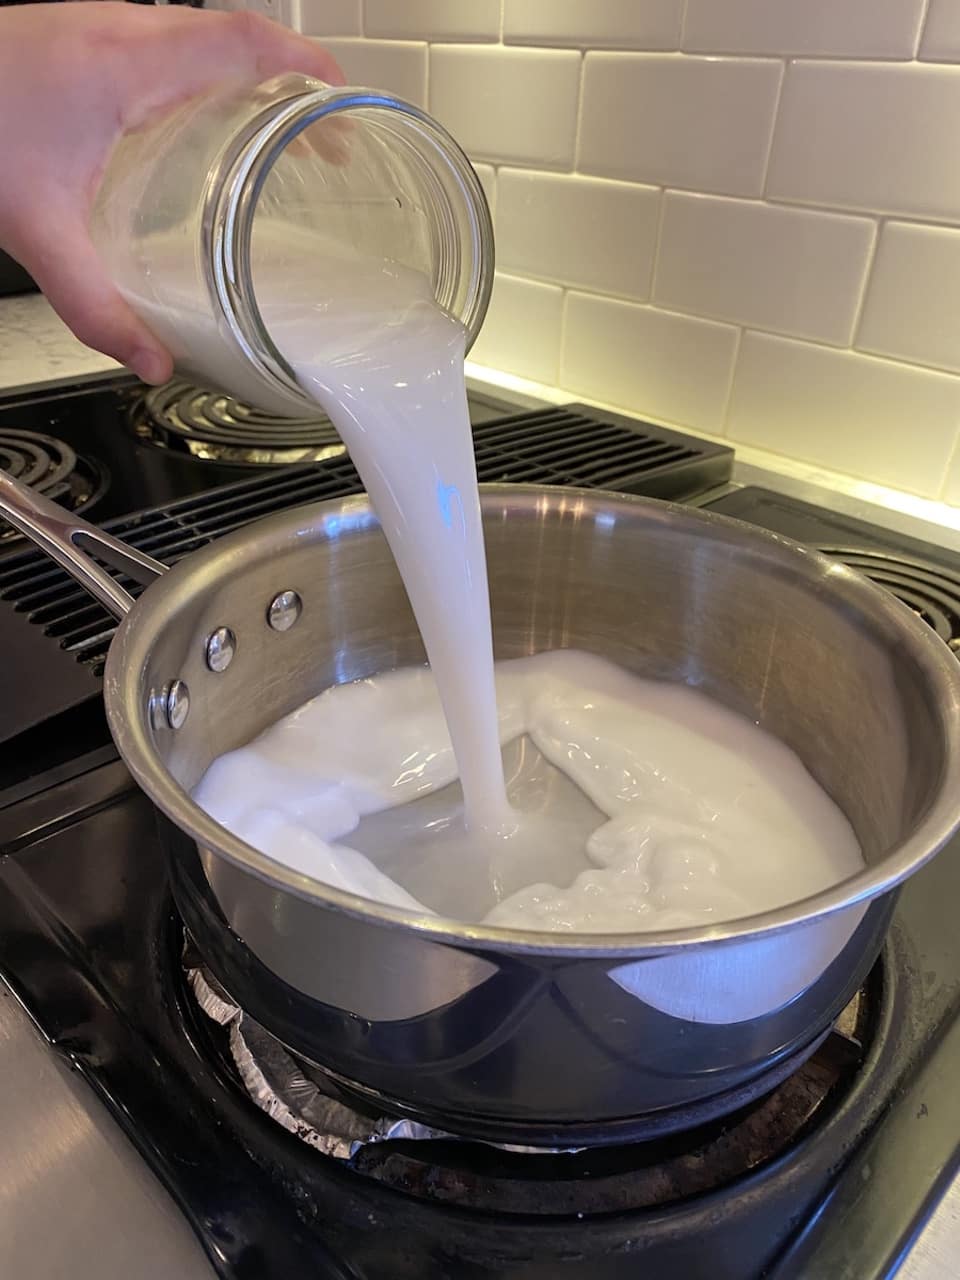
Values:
[(835, 501)]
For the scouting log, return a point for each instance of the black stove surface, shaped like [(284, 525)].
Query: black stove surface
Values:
[(923, 576), (136, 447), (90, 942), (183, 466)]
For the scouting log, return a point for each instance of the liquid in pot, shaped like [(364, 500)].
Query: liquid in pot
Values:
[(630, 806)]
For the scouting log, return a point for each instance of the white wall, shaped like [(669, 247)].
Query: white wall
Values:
[(741, 216)]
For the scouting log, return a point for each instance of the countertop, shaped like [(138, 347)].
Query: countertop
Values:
[(36, 346)]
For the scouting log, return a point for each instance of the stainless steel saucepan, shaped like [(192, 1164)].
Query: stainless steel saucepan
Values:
[(526, 1036)]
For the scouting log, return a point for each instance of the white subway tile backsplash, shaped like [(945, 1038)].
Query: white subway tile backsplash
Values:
[(585, 232), (777, 176), (838, 28), (951, 488), (912, 308), (508, 104), (488, 180), (700, 123), (941, 32), (399, 67), (892, 423), (671, 367), (329, 17), (789, 270), (628, 24), (433, 19), (521, 332), (871, 136)]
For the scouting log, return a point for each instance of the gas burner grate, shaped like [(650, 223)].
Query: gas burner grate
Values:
[(52, 468), (930, 590), (211, 426)]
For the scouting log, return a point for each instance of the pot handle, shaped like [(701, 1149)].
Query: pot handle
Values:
[(74, 543)]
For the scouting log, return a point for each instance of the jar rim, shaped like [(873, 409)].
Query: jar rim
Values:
[(230, 207)]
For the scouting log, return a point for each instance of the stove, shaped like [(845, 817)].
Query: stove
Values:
[(50, 466), (215, 427), (239, 1160), (924, 576), (116, 447), (168, 501)]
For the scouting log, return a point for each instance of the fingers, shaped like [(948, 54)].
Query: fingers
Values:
[(242, 42), (199, 48), (65, 265), (275, 49), (147, 60)]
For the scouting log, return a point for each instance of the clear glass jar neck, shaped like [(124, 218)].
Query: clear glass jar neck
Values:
[(465, 273)]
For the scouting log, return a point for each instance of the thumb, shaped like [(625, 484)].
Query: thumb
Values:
[(203, 46), (65, 264), (275, 48)]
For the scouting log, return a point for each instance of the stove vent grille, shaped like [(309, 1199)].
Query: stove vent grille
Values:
[(572, 445)]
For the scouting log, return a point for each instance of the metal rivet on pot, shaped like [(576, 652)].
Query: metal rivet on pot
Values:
[(284, 610), (178, 704), (220, 647), (157, 708)]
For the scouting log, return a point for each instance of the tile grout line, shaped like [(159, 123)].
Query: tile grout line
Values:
[(921, 28), (784, 68), (867, 280), (682, 37), (562, 353), (775, 202), (578, 130), (899, 362), (728, 398), (427, 77), (953, 463), (778, 55), (658, 238), (913, 219)]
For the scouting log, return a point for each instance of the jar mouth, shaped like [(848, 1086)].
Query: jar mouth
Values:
[(231, 205)]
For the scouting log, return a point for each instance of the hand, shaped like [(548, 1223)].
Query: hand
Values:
[(73, 78)]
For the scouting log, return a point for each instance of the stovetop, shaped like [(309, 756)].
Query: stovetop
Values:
[(146, 446), (830, 1175), (171, 488)]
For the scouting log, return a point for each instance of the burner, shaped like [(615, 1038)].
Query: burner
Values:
[(214, 427), (52, 468), (930, 590), (441, 1167)]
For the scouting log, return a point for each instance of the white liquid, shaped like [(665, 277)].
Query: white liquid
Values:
[(369, 343), (390, 375), (669, 811), (642, 806)]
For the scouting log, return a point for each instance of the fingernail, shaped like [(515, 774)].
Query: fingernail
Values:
[(149, 366)]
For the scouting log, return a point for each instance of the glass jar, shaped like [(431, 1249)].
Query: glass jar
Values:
[(177, 214)]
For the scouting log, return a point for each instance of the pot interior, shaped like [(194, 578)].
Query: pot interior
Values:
[(827, 663)]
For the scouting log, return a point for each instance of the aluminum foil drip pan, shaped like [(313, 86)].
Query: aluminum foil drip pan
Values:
[(298, 1096)]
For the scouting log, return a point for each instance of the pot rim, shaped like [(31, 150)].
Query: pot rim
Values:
[(128, 718)]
